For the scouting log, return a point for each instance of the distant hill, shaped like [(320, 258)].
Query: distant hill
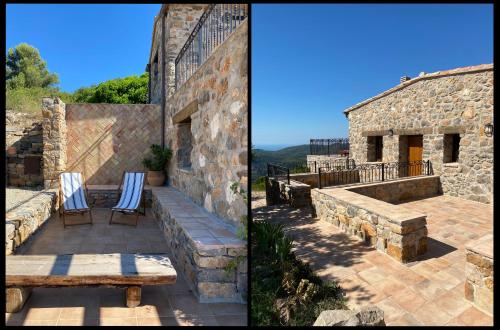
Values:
[(289, 157)]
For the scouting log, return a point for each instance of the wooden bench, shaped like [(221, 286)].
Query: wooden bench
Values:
[(23, 272)]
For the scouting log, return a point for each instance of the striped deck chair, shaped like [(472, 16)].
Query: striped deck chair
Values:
[(130, 196), (72, 196)]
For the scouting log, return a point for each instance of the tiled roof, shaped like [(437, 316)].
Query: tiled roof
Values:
[(438, 74)]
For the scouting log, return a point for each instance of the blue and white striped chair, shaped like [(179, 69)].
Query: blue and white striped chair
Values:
[(72, 196), (130, 197)]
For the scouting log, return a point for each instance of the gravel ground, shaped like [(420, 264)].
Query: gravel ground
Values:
[(18, 196)]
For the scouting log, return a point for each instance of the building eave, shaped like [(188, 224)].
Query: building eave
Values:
[(438, 74)]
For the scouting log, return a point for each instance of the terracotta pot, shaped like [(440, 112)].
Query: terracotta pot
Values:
[(156, 178)]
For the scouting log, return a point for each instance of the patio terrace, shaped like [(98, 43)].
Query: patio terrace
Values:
[(161, 305), (429, 291)]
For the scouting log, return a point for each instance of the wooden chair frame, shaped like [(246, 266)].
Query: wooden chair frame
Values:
[(137, 210), (74, 211)]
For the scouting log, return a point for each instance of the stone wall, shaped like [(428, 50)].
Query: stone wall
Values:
[(214, 100), (106, 139), (24, 220), (479, 273), (203, 247), (322, 158), (392, 229), (23, 144), (107, 196), (54, 140), (296, 194), (447, 102), (400, 190)]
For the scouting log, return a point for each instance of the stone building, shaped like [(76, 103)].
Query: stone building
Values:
[(445, 117), (198, 75)]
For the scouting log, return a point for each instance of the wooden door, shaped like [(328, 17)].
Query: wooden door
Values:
[(415, 147)]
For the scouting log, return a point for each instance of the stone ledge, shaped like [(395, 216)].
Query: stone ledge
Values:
[(482, 246), (203, 247), (478, 286), (24, 220), (392, 229), (395, 214)]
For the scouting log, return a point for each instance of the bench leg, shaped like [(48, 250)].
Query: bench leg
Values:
[(16, 298), (133, 295)]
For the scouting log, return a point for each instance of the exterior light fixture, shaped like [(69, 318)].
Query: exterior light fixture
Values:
[(488, 129), (391, 132)]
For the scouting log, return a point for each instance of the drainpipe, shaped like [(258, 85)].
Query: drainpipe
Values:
[(148, 70), (163, 82)]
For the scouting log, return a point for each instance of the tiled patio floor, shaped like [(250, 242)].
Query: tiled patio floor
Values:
[(160, 305), (425, 292)]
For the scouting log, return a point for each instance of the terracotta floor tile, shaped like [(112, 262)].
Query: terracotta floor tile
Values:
[(429, 289), (183, 305), (228, 309), (232, 320), (452, 303), (409, 299), (405, 320), (121, 321), (474, 317), (431, 314), (392, 310)]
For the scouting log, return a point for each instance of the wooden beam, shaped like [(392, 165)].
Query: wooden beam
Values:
[(89, 270), (186, 112)]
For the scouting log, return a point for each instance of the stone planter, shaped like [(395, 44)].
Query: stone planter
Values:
[(156, 178)]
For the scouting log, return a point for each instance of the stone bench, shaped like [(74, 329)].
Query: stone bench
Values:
[(23, 272), (392, 229), (206, 249), (24, 220), (479, 273)]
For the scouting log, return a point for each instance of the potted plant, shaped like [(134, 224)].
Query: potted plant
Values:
[(156, 164)]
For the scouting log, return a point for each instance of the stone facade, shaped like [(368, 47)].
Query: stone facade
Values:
[(54, 140), (24, 220), (203, 247), (392, 229), (23, 144), (104, 140), (479, 273), (178, 24), (457, 101), (214, 102), (297, 194)]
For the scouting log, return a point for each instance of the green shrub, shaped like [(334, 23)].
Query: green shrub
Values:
[(259, 184), (302, 168), (160, 158), (128, 90), (285, 291), (30, 99)]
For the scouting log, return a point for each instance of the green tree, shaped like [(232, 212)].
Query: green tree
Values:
[(25, 68), (128, 90)]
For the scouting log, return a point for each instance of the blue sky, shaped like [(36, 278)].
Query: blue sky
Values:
[(85, 44), (311, 62)]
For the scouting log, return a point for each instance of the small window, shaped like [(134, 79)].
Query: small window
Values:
[(375, 148), (451, 147), (185, 143)]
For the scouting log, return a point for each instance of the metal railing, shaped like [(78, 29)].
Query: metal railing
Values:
[(214, 26), (338, 164), (367, 173), (278, 172), (336, 146)]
